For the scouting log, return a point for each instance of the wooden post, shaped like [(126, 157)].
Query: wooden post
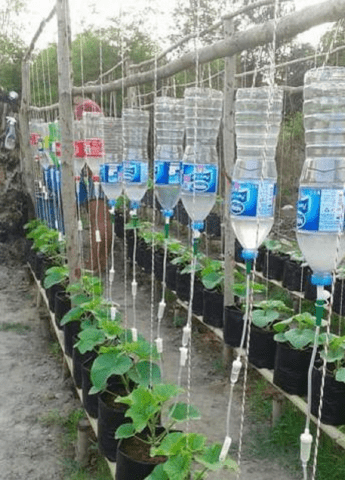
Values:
[(83, 442), (67, 149), (27, 161), (229, 158)]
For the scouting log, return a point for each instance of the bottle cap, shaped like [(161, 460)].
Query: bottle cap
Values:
[(168, 213), (249, 254), (321, 279), (134, 205), (197, 225)]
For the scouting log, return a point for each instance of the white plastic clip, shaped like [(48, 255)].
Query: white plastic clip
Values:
[(159, 344), (235, 370), (186, 335), (98, 236), (80, 226), (225, 448), (60, 237), (111, 275), (134, 288), (113, 312), (134, 334), (183, 356), (306, 441), (161, 308)]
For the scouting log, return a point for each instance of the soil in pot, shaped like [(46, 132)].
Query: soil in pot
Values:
[(262, 348), (111, 414), (133, 461), (62, 306), (233, 325), (291, 369), (90, 402), (294, 276), (273, 265), (333, 412), (213, 308)]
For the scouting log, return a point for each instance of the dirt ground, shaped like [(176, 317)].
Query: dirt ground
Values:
[(33, 384)]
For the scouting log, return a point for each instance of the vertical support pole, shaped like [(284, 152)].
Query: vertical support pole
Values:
[(67, 149), (27, 161), (83, 443), (229, 159)]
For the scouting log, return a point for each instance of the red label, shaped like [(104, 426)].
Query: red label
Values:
[(94, 147), (34, 138), (58, 149)]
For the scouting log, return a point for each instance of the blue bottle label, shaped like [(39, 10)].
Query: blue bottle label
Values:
[(167, 173), (199, 178), (253, 198), (111, 173), (320, 210), (135, 172)]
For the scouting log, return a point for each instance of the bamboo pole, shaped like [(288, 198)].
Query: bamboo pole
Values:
[(229, 159), (67, 149)]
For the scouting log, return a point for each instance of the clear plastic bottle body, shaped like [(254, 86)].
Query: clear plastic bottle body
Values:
[(254, 180), (169, 124), (135, 157), (199, 180), (320, 208), (111, 172)]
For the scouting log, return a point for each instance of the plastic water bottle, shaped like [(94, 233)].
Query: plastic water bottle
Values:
[(111, 172), (203, 111), (135, 164), (320, 208), (93, 141), (258, 113), (169, 122)]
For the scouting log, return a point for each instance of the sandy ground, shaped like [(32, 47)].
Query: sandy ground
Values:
[(32, 383)]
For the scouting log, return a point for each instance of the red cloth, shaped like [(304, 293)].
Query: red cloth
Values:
[(86, 106)]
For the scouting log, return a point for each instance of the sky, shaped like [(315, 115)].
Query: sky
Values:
[(85, 12)]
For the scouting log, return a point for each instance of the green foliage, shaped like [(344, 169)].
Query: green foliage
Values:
[(333, 351), (212, 274), (46, 240), (56, 275), (267, 312), (298, 330)]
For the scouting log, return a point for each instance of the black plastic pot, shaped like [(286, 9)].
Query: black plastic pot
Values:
[(119, 225), (294, 276), (70, 330), (333, 412), (291, 369), (110, 416), (273, 265), (171, 276), (42, 263), (51, 292), (233, 326), (339, 297), (182, 285), (130, 467), (78, 360), (213, 308), (159, 264), (130, 243), (90, 402), (260, 259), (198, 298), (62, 306), (262, 348), (181, 214), (213, 225)]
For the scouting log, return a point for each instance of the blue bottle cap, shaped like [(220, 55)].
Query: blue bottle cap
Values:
[(134, 205), (168, 213), (321, 279), (197, 225), (249, 254), (111, 203)]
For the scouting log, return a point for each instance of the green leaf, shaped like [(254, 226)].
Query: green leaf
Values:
[(210, 459), (126, 430), (178, 467), (340, 375), (212, 280), (166, 391), (145, 373), (262, 318), (182, 411), (300, 339), (280, 337), (170, 445), (74, 314), (143, 407), (106, 365), (158, 473), (89, 338), (283, 325)]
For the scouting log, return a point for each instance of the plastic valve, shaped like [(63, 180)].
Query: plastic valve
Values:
[(134, 334), (98, 236), (161, 308), (111, 275), (60, 237), (159, 344), (186, 335), (183, 356), (134, 288), (80, 226), (225, 448), (113, 311), (235, 370), (306, 441)]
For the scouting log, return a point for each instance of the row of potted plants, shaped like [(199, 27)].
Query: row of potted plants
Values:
[(121, 384)]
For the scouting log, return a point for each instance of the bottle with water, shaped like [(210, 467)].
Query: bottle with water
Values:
[(203, 111), (135, 156), (258, 113), (169, 122), (93, 145), (111, 171), (320, 208)]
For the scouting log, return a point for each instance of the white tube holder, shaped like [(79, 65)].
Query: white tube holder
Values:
[(235, 370), (113, 312), (134, 334), (225, 448), (183, 356), (161, 308), (98, 236), (80, 226), (186, 335), (306, 441), (111, 276), (134, 288), (159, 344)]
